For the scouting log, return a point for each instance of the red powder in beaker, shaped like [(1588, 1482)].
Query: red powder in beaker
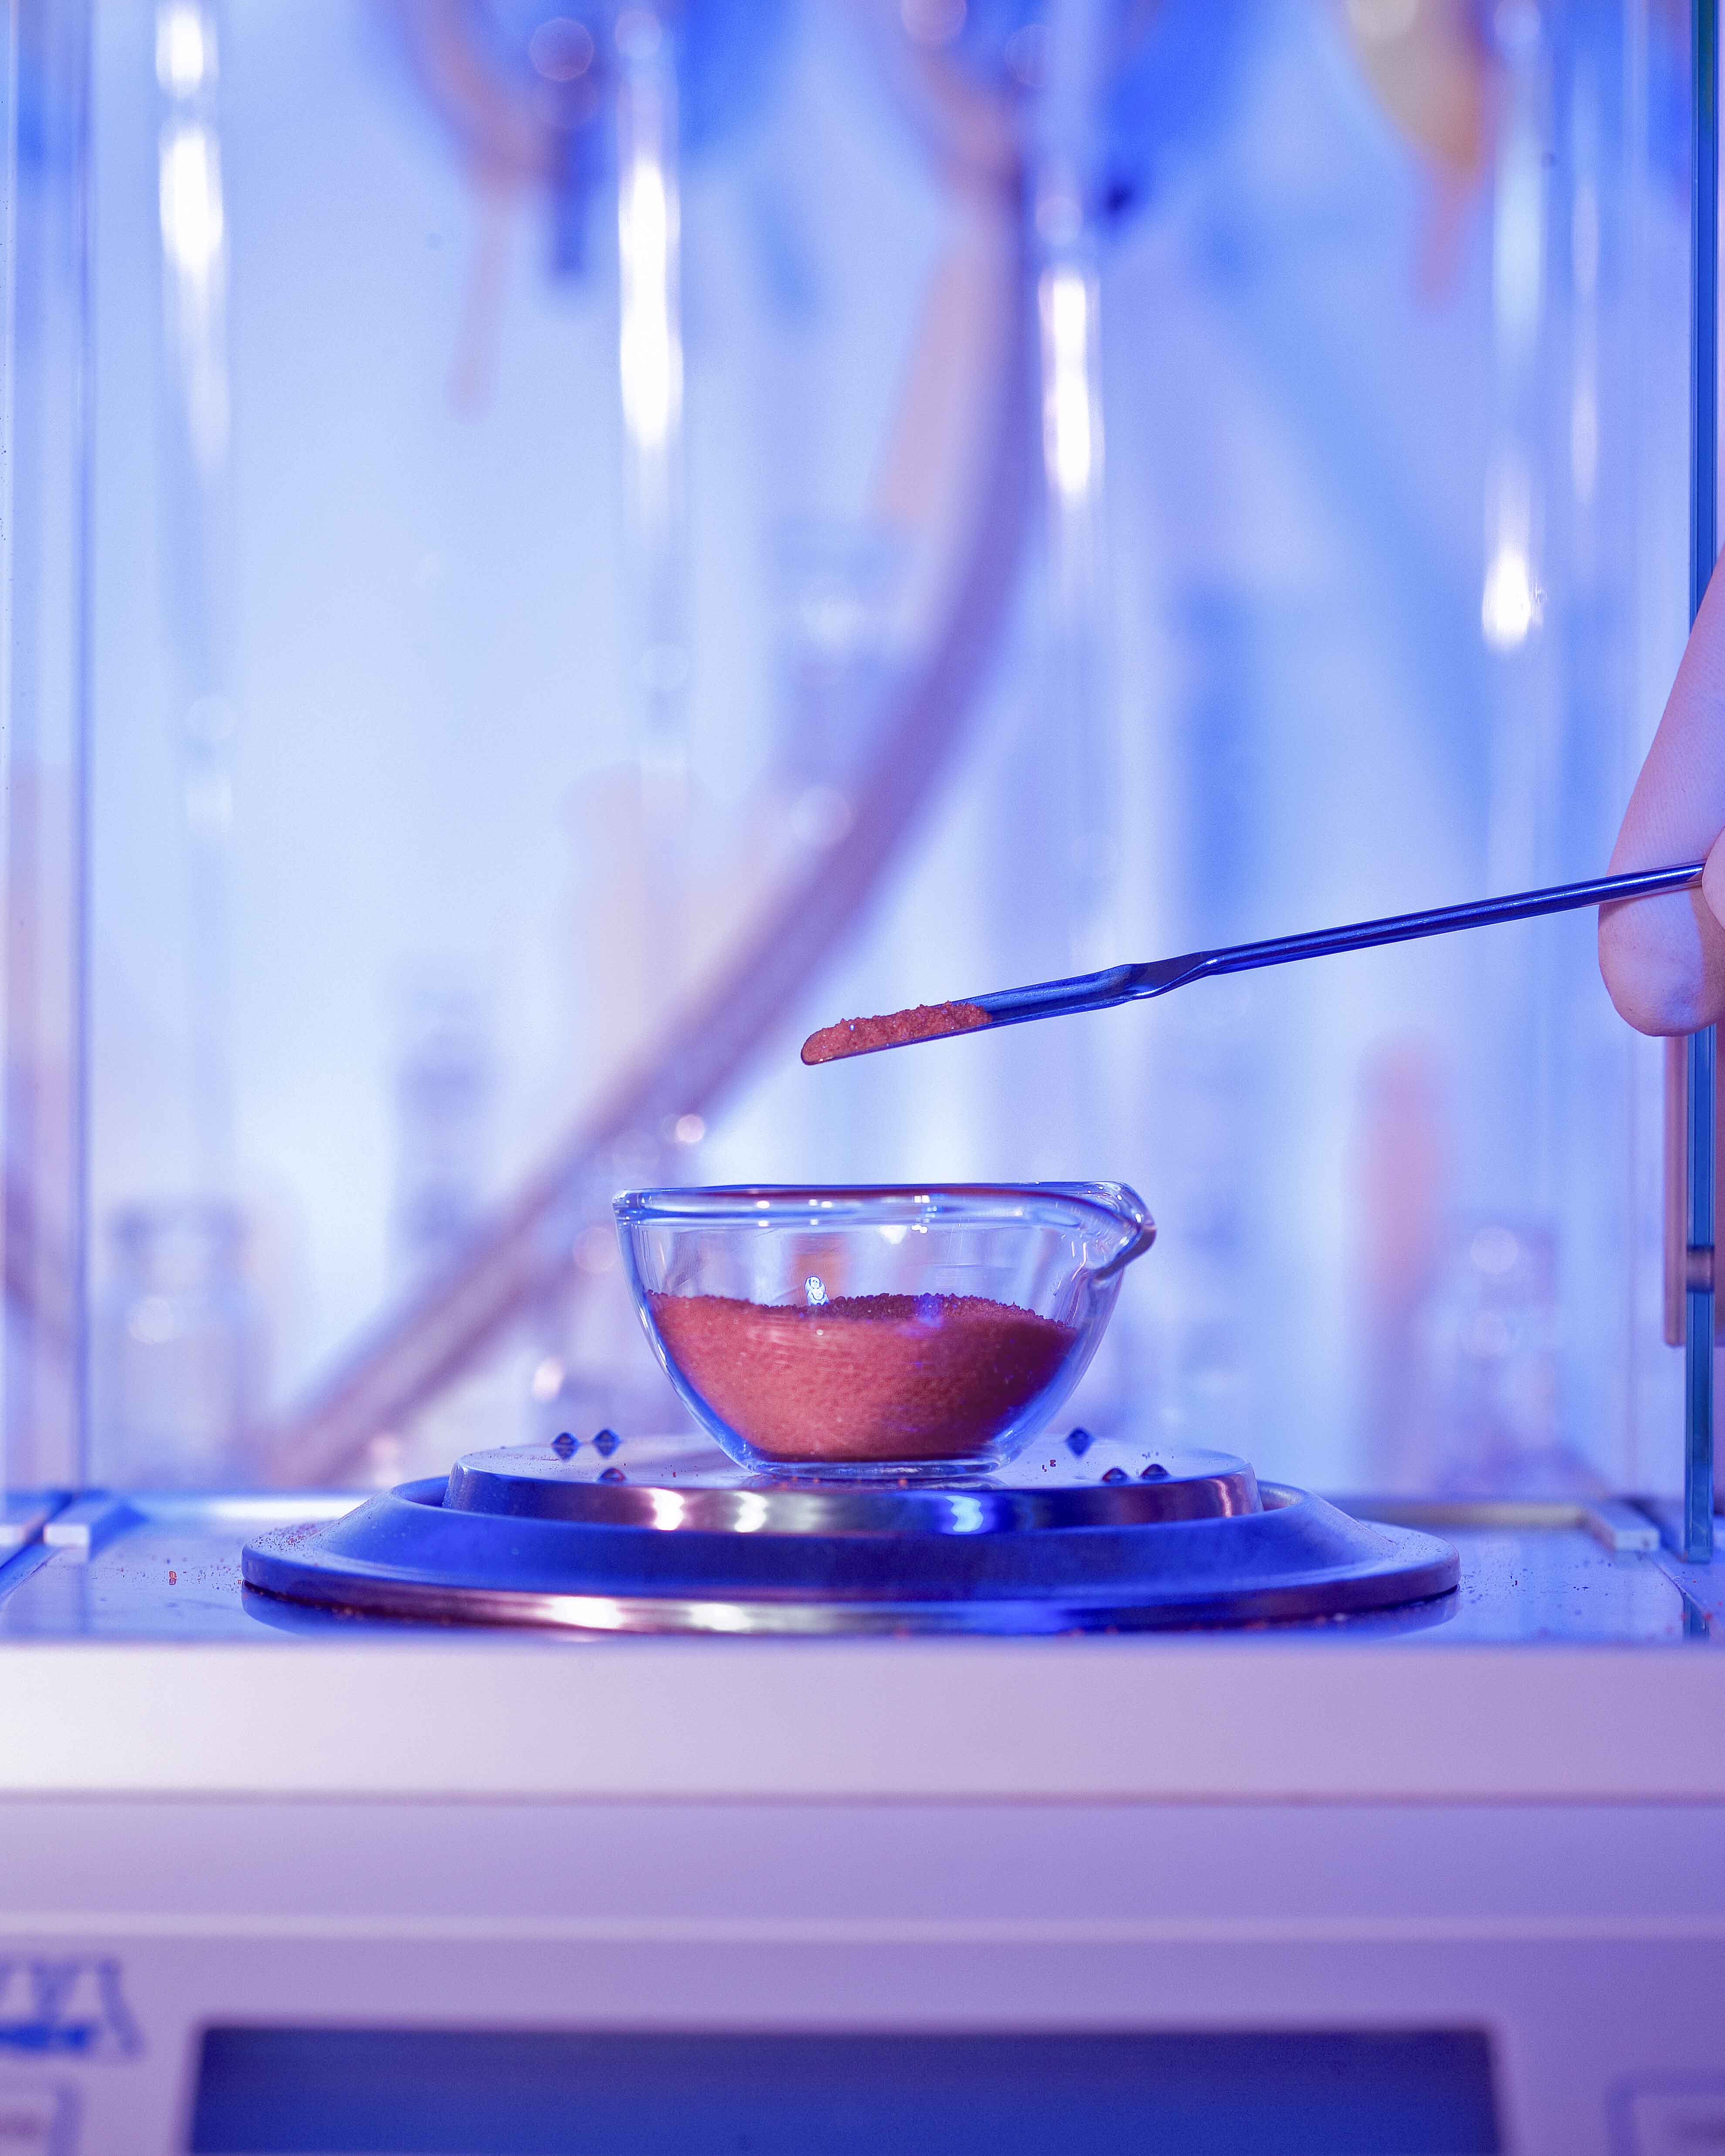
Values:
[(865, 1377)]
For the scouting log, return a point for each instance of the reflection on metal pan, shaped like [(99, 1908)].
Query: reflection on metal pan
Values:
[(678, 1485)]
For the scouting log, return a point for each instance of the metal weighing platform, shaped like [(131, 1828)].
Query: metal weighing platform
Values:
[(677, 1540)]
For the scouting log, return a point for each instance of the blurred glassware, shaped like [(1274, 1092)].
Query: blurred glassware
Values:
[(444, 1079), (1489, 1340), (1212, 1089), (179, 1349), (632, 1402), (837, 585), (1402, 1174)]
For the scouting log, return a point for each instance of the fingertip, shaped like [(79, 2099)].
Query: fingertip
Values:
[(1712, 880), (1655, 966), (1641, 967)]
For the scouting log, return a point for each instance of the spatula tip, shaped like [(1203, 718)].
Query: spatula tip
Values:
[(862, 1036)]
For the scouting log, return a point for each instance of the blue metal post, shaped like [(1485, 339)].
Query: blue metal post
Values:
[(1703, 549)]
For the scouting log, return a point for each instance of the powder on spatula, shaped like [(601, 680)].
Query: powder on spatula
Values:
[(865, 1377), (862, 1036)]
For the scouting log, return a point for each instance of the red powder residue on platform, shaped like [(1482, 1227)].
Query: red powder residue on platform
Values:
[(861, 1036), (865, 1377)]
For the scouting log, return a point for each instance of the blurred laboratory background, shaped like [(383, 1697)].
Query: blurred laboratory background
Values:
[(603, 537)]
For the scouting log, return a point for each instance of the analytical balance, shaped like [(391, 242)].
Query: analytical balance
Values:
[(1452, 1878)]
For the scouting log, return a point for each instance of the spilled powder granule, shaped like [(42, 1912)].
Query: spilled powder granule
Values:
[(865, 1377), (859, 1036)]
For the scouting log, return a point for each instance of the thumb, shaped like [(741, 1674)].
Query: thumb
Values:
[(1712, 879)]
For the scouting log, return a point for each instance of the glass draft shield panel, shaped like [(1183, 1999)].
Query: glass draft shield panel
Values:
[(562, 546)]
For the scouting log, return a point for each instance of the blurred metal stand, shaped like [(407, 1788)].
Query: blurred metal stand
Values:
[(1070, 113), (44, 126), (1701, 1149), (650, 371), (1691, 1104), (9, 348), (198, 549)]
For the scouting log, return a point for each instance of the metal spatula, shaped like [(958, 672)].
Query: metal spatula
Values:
[(1156, 977)]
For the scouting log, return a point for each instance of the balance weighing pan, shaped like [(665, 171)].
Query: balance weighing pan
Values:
[(671, 1538)]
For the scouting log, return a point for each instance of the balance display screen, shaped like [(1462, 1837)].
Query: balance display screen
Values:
[(497, 2092)]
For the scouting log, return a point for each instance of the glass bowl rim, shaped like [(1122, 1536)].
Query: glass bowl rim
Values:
[(708, 1205)]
